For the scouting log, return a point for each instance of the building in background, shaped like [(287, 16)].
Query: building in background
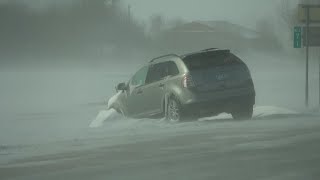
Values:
[(217, 34)]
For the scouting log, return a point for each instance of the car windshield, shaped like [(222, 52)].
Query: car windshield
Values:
[(140, 77)]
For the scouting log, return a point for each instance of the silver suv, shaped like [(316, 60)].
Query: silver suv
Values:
[(190, 86)]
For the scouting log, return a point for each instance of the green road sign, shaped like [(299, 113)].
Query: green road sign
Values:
[(297, 37)]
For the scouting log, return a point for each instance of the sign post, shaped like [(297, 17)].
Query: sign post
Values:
[(307, 55), (311, 37)]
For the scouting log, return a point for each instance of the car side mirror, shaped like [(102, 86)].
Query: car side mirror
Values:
[(121, 87)]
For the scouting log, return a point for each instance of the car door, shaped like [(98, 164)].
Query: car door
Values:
[(134, 93), (154, 89)]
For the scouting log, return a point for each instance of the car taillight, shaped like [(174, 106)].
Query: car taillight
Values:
[(187, 81), (250, 82)]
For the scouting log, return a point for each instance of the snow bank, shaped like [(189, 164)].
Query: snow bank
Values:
[(104, 115), (101, 117), (263, 111), (258, 112), (113, 99)]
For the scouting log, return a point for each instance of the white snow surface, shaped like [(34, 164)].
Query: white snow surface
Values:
[(258, 112), (101, 117), (113, 99), (46, 119), (104, 115)]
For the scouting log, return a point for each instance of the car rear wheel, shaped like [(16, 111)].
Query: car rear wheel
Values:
[(174, 110), (242, 112)]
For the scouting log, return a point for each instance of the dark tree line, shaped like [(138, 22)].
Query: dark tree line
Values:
[(87, 28)]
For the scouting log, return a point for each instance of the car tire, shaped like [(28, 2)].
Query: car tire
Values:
[(242, 112), (173, 110)]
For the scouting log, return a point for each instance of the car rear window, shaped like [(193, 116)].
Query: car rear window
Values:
[(210, 60), (161, 70)]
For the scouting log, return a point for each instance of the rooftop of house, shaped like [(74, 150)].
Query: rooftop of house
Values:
[(214, 26)]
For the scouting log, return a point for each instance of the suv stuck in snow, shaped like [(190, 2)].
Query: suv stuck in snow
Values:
[(190, 86)]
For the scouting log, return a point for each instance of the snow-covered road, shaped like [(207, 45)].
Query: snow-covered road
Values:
[(45, 134), (284, 147)]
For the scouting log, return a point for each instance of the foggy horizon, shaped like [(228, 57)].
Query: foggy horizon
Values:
[(170, 90), (189, 10)]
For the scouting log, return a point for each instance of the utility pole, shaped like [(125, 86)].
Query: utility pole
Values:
[(129, 13), (307, 55), (309, 15)]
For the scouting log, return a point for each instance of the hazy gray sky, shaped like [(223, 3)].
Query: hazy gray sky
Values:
[(244, 12)]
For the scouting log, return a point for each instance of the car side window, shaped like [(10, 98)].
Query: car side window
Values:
[(139, 78), (154, 73), (172, 68), (161, 70)]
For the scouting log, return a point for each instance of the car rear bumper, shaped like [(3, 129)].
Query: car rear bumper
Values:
[(217, 102)]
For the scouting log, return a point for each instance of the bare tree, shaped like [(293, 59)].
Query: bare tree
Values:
[(157, 24), (80, 30), (266, 28)]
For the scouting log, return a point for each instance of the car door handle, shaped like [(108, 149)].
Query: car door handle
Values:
[(161, 85)]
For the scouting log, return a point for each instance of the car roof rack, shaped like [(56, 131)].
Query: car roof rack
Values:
[(205, 50), (168, 55), (210, 49)]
